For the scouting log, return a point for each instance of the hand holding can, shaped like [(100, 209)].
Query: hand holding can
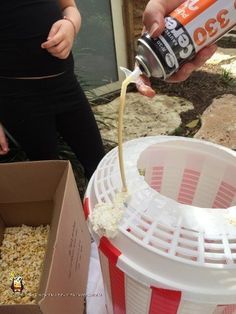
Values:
[(194, 23)]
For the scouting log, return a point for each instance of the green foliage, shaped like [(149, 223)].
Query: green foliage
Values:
[(177, 132), (227, 77)]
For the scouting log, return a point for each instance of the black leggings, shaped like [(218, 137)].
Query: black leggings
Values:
[(38, 137), (35, 111)]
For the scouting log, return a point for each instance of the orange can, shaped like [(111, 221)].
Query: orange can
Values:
[(192, 26)]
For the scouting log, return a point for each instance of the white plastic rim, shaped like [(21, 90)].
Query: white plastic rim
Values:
[(193, 244)]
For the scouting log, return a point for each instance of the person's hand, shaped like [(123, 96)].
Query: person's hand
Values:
[(4, 148), (143, 85), (153, 20), (60, 39)]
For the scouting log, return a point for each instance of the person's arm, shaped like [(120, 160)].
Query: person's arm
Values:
[(62, 34), (3, 142), (71, 12), (153, 20)]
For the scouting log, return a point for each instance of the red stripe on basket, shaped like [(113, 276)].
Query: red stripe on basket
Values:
[(184, 201), (227, 192), (160, 168), (230, 309), (156, 178), (185, 195), (225, 199), (219, 309), (225, 309), (222, 201), (117, 280), (190, 179), (117, 277), (109, 250), (86, 208), (229, 187), (164, 301)]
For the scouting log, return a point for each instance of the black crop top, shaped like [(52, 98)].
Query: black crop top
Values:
[(24, 26)]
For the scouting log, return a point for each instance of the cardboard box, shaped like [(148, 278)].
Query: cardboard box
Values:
[(45, 192)]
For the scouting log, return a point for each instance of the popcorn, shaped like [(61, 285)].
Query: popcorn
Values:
[(106, 217), (21, 256)]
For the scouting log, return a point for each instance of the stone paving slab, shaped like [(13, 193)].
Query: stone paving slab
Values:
[(143, 116), (219, 122)]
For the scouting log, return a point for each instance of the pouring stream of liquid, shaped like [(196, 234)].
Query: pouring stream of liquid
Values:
[(131, 78)]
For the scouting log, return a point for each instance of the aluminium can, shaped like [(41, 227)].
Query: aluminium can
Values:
[(194, 25)]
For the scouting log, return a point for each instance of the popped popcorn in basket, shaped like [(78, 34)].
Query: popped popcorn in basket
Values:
[(21, 259), (107, 216)]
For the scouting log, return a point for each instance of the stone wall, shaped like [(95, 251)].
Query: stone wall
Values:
[(133, 11), (139, 6)]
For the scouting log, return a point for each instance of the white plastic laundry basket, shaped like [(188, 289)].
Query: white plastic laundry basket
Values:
[(175, 251)]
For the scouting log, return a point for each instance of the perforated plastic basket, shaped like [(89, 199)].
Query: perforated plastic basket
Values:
[(175, 251)]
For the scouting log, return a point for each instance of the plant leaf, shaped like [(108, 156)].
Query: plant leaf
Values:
[(192, 124)]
